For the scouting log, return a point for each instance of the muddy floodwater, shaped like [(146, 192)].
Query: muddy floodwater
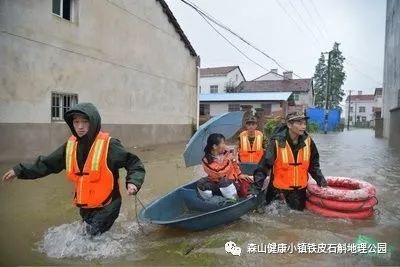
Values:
[(39, 226)]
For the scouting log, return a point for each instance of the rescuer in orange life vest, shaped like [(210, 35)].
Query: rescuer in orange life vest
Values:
[(91, 159), (251, 142), (289, 157)]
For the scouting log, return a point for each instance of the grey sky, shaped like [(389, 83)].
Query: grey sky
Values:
[(358, 25)]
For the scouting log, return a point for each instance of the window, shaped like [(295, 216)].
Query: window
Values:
[(351, 109), (267, 108), (358, 118), (364, 119), (350, 118), (213, 89), (61, 103), (237, 76), (296, 97), (204, 109), (233, 107), (361, 109), (64, 8)]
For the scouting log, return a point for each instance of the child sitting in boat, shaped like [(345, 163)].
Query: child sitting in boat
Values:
[(223, 171)]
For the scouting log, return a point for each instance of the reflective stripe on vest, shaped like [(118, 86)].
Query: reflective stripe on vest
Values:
[(251, 153), (95, 183), (289, 173)]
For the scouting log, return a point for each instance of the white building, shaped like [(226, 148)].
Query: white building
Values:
[(217, 80), (215, 104), (131, 60), (362, 109), (302, 89)]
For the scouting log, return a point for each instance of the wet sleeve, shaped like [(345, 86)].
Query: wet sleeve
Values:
[(121, 158), (265, 164), (265, 141), (236, 167), (314, 168), (43, 165)]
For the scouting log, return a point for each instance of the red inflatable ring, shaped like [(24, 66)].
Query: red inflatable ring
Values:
[(364, 214), (350, 189), (343, 205)]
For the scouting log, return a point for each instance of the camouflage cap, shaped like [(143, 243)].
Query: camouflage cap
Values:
[(296, 116), (251, 119)]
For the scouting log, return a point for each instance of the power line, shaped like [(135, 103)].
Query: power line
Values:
[(226, 39), (290, 16), (215, 21), (304, 23), (362, 73), (319, 15), (312, 19)]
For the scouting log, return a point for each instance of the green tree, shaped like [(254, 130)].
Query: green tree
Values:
[(230, 87), (337, 77), (320, 81)]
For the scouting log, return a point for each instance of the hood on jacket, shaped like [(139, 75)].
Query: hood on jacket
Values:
[(89, 110)]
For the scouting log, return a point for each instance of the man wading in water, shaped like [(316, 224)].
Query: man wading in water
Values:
[(91, 159), (289, 157)]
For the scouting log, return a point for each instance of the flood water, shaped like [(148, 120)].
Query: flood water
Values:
[(39, 226)]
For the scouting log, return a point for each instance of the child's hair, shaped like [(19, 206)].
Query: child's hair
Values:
[(213, 139)]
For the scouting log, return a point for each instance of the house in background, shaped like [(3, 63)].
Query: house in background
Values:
[(262, 104), (273, 75), (217, 80), (361, 109), (57, 53), (301, 90)]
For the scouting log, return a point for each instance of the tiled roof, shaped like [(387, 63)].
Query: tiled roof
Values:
[(174, 22), (218, 71), (361, 98), (291, 85)]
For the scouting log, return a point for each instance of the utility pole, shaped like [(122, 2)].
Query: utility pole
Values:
[(327, 93), (348, 116), (355, 113)]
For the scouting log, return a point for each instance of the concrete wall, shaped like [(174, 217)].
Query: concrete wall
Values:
[(394, 131), (127, 59), (391, 77), (234, 76)]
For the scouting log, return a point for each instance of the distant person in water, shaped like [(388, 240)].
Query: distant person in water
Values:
[(91, 159), (222, 169), (251, 142)]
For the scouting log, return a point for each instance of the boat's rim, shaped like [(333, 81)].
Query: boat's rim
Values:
[(143, 210)]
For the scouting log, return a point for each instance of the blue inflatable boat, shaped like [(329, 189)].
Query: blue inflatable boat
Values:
[(183, 208)]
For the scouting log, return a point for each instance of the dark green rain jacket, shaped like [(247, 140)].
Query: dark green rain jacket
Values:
[(117, 156), (267, 162)]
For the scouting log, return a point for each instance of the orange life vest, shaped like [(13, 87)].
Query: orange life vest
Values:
[(251, 153), (94, 185), (288, 172), (217, 170)]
